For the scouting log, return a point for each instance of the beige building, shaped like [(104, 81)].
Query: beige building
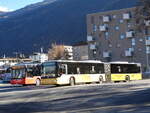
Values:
[(12, 61), (112, 36), (41, 57), (69, 49), (80, 51)]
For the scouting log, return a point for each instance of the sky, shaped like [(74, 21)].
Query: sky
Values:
[(11, 5)]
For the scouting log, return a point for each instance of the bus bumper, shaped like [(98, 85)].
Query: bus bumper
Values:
[(18, 81)]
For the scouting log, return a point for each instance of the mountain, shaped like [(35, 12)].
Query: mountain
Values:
[(61, 21)]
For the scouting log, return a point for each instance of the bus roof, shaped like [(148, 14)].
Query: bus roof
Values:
[(73, 61), (123, 62), (26, 64)]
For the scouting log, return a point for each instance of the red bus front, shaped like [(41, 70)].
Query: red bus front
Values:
[(24, 75)]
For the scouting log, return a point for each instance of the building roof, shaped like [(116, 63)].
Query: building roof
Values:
[(82, 43), (112, 11)]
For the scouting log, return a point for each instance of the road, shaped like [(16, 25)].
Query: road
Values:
[(132, 97)]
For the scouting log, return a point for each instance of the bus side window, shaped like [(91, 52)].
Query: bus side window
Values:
[(62, 69), (72, 69), (119, 68), (78, 70), (92, 70)]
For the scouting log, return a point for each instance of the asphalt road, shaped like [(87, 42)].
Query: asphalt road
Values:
[(132, 97)]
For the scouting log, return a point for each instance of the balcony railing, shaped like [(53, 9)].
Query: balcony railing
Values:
[(102, 28), (129, 34), (90, 38), (106, 19), (126, 16), (92, 46)]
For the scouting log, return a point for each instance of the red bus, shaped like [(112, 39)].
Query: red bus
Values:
[(26, 74)]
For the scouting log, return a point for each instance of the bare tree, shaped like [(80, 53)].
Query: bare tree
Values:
[(57, 52)]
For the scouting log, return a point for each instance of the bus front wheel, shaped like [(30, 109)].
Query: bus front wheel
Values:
[(38, 82), (72, 81)]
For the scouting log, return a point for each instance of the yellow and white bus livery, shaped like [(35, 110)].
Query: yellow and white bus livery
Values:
[(123, 71), (61, 72)]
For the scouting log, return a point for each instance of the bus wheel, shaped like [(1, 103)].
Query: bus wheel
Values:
[(72, 81), (100, 80), (38, 82), (127, 78)]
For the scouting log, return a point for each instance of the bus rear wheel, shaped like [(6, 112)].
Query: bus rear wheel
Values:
[(72, 81), (100, 80), (38, 82), (127, 78)]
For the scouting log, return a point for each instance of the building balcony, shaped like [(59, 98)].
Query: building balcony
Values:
[(128, 53), (147, 23), (106, 19), (90, 39), (129, 34), (92, 46), (102, 28), (106, 54), (147, 42), (126, 16)]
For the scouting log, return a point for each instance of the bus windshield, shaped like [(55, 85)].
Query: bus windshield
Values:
[(25, 72), (49, 69), (18, 73)]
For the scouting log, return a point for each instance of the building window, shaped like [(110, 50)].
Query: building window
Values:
[(148, 38), (121, 21), (147, 49), (133, 41), (114, 16), (129, 25), (116, 27), (106, 35), (141, 40), (122, 36), (94, 28)]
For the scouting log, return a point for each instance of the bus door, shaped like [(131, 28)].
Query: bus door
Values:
[(107, 68), (29, 76)]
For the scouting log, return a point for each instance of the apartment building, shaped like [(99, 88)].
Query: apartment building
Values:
[(41, 57), (12, 61), (80, 51), (113, 36), (69, 49)]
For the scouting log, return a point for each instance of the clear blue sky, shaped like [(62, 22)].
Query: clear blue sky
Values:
[(15, 4)]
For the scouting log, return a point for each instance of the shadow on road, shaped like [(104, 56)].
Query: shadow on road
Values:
[(22, 88), (96, 100)]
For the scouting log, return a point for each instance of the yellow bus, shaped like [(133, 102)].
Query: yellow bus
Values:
[(123, 71), (72, 72)]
